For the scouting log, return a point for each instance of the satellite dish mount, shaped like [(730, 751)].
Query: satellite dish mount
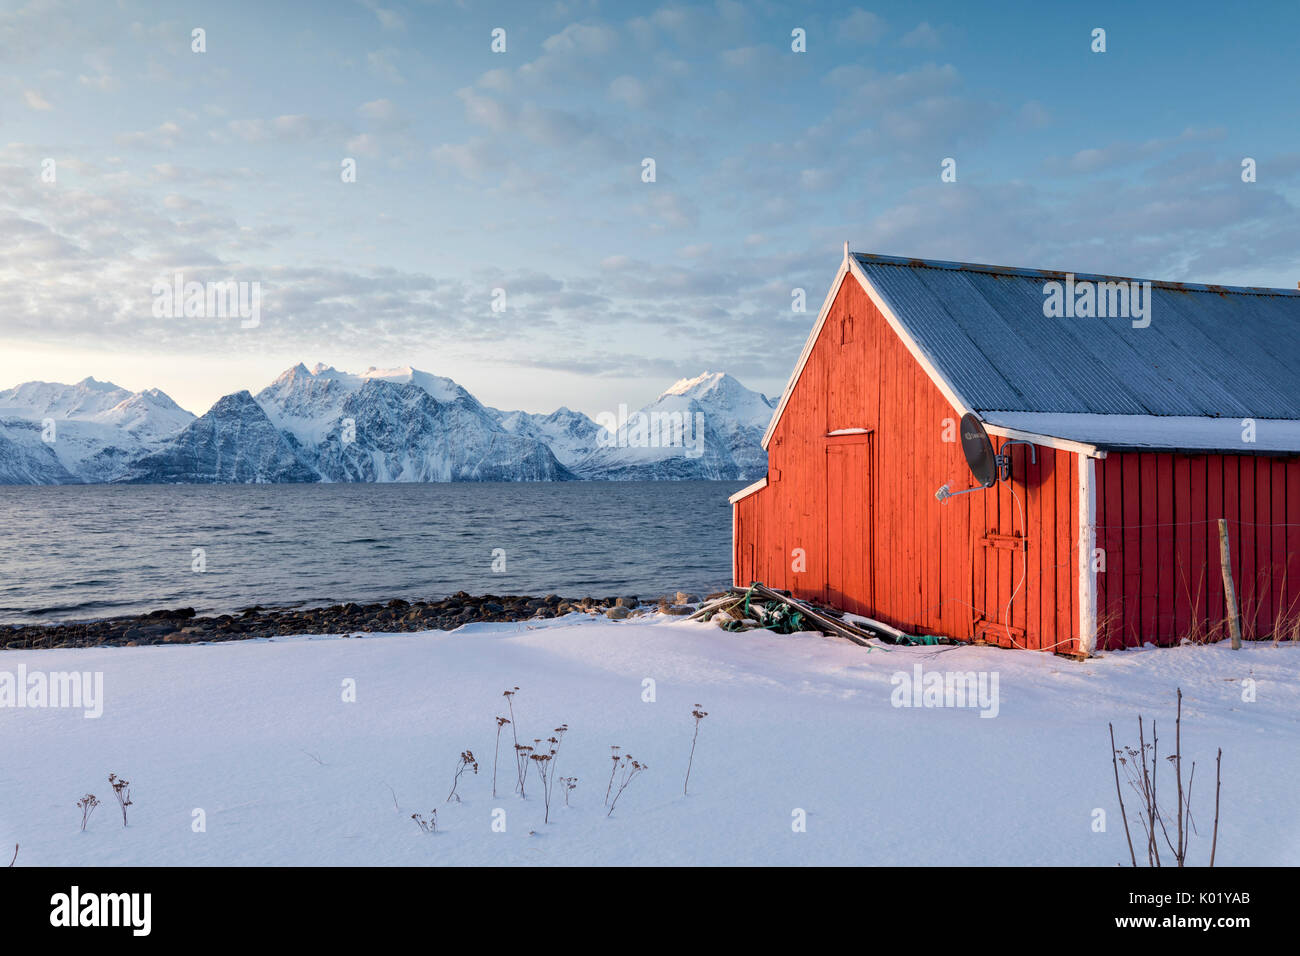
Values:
[(985, 465)]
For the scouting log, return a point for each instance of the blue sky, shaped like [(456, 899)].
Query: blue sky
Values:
[(522, 171)]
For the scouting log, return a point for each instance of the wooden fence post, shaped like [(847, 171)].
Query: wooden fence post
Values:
[(1229, 592)]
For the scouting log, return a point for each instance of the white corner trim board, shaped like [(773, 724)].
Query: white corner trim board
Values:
[(1087, 544)]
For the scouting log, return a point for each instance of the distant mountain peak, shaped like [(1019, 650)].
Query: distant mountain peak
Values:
[(710, 383), (700, 383), (384, 424), (242, 398)]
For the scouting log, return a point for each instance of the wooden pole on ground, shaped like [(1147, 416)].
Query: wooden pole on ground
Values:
[(1229, 592)]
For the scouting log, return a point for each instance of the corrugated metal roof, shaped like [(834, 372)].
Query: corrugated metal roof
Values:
[(1209, 351)]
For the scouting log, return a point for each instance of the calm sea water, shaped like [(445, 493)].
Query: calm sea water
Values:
[(80, 552)]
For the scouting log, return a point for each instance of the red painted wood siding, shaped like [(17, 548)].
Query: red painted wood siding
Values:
[(1157, 523), (922, 565)]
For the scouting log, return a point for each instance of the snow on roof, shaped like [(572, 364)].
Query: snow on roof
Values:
[(1157, 432)]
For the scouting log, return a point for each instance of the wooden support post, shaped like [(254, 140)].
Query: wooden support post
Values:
[(1229, 592)]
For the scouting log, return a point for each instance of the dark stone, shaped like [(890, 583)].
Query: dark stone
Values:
[(180, 612), (258, 622)]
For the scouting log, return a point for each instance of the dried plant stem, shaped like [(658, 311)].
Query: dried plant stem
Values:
[(87, 806), (612, 770), (691, 761), (520, 766), (699, 715), (501, 722), (1114, 759), (466, 762), (1181, 852), (1214, 841), (1141, 769), (1149, 785), (630, 769), (121, 790)]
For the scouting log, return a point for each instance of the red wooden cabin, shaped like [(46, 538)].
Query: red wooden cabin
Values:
[(1136, 434)]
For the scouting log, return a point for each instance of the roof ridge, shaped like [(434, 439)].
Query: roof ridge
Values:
[(867, 258)]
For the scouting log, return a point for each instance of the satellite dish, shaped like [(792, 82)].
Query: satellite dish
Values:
[(978, 450)]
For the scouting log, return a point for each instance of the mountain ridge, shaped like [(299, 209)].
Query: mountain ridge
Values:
[(399, 424)]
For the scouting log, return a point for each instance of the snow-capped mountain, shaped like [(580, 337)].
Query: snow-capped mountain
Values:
[(571, 436), (93, 430), (399, 425), (400, 432), (27, 460), (709, 426), (381, 425), (84, 400), (233, 443), (441, 389)]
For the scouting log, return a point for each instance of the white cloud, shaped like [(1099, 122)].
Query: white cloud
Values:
[(923, 37), (500, 80), (363, 145), (388, 19), (289, 128), (629, 91), (748, 57), (103, 81), (383, 63), (1035, 114), (860, 26), (383, 114), (582, 39), (165, 135)]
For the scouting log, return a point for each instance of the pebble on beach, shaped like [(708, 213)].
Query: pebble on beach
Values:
[(184, 626)]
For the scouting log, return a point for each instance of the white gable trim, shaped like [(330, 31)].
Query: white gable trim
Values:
[(922, 358), (850, 265), (749, 490)]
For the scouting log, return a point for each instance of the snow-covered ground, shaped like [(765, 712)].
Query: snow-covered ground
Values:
[(258, 737)]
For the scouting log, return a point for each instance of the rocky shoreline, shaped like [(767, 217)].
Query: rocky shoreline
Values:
[(184, 626)]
